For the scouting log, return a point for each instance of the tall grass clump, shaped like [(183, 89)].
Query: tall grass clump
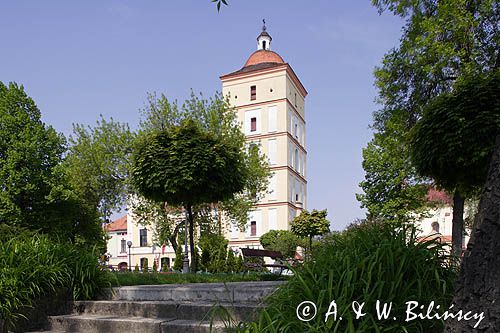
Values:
[(34, 266), (364, 264)]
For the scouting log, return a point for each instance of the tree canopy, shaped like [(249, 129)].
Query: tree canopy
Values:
[(98, 164), (454, 140), (283, 241), (441, 42), (311, 224), (195, 155)]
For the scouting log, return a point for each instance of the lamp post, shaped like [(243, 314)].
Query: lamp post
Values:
[(185, 262), (129, 244)]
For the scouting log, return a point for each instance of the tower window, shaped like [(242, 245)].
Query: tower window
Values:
[(435, 227), (295, 99), (123, 246), (253, 124), (253, 228), (253, 93), (143, 240), (263, 44)]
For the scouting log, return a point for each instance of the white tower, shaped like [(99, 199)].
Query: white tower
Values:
[(269, 99)]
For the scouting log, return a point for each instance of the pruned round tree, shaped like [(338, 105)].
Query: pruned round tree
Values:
[(311, 224), (453, 141), (187, 165)]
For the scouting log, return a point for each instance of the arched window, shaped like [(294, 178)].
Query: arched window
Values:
[(435, 227), (144, 264)]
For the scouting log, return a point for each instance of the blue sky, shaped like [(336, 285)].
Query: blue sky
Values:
[(81, 59)]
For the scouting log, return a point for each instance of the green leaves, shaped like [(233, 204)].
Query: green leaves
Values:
[(219, 2), (98, 164), (454, 139), (283, 241)]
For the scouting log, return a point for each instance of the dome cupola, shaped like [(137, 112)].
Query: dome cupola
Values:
[(264, 39)]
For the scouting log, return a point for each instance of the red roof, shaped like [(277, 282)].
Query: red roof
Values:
[(117, 225), (437, 196), (264, 56)]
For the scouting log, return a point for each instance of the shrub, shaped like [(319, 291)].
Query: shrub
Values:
[(365, 264), (32, 266), (283, 241)]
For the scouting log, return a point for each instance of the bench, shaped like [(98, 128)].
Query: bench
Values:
[(256, 253)]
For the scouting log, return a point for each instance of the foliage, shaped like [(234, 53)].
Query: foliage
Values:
[(219, 2), (283, 241), (215, 248), (36, 191), (155, 266), (179, 258), (392, 191), (136, 268), (310, 224), (187, 166), (29, 152), (441, 42), (98, 163), (195, 155), (367, 263), (133, 279), (32, 265), (454, 140), (230, 266)]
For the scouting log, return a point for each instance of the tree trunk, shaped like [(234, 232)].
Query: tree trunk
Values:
[(191, 238), (173, 238), (478, 287), (457, 224)]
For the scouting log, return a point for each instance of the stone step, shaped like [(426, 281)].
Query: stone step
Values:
[(102, 323), (192, 326), (238, 292), (113, 324), (165, 309)]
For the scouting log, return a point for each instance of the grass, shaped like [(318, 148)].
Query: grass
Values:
[(133, 278), (365, 264)]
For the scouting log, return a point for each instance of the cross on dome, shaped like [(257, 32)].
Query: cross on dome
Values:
[(264, 39)]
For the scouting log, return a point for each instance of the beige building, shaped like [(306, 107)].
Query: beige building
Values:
[(142, 252), (269, 99), (439, 220)]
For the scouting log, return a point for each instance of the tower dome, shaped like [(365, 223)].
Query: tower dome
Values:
[(264, 53)]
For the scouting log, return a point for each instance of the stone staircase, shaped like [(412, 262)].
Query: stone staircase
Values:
[(164, 308)]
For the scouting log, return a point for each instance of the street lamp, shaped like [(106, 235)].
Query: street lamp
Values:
[(129, 244), (185, 262)]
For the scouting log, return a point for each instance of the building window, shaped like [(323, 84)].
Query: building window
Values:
[(435, 227), (296, 131), (165, 264), (144, 264), (143, 240), (123, 248), (264, 45), (253, 228), (295, 99), (253, 93), (253, 124)]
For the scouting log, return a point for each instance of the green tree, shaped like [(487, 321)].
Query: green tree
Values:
[(98, 164), (311, 224), (29, 152), (442, 41), (215, 248), (283, 241), (179, 258), (35, 191), (454, 140), (195, 155), (231, 262)]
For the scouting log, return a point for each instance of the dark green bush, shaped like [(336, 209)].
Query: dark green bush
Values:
[(364, 264), (33, 265)]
